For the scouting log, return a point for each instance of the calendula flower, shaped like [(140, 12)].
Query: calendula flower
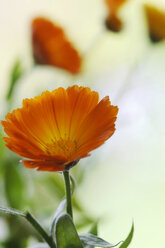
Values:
[(113, 22), (156, 23), (55, 130), (51, 46)]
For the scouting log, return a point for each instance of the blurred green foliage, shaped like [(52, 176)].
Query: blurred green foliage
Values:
[(16, 73), (14, 184)]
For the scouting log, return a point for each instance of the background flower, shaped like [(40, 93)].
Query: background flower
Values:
[(156, 22), (51, 46), (113, 21)]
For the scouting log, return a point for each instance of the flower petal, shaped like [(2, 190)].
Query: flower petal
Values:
[(97, 127), (34, 128), (82, 102), (44, 165), (114, 5), (51, 46), (156, 22)]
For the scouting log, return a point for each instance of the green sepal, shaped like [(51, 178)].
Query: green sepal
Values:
[(66, 234), (92, 240), (128, 240)]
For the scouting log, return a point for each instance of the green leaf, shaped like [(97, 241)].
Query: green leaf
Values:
[(66, 234), (39, 245), (16, 73), (34, 222), (11, 211), (127, 241), (92, 240), (57, 213), (94, 231)]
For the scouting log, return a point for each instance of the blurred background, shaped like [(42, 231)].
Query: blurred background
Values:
[(123, 180)]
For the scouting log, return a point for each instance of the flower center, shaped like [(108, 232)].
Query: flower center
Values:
[(62, 147)]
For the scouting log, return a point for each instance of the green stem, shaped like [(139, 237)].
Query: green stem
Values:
[(68, 193), (40, 229)]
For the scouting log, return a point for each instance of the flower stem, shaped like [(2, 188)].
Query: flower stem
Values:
[(68, 192), (40, 229)]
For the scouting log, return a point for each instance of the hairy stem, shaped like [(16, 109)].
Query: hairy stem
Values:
[(68, 193)]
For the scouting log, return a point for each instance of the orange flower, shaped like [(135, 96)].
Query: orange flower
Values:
[(156, 23), (51, 46), (113, 22), (55, 130)]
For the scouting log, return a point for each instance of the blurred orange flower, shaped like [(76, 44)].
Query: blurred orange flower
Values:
[(113, 22), (51, 46), (55, 130), (156, 23)]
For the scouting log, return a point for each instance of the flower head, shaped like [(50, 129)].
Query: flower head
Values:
[(55, 130), (51, 46), (156, 23), (113, 22)]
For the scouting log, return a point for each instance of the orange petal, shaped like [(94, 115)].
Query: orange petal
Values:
[(44, 165), (97, 127), (51, 46), (82, 101), (156, 22)]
